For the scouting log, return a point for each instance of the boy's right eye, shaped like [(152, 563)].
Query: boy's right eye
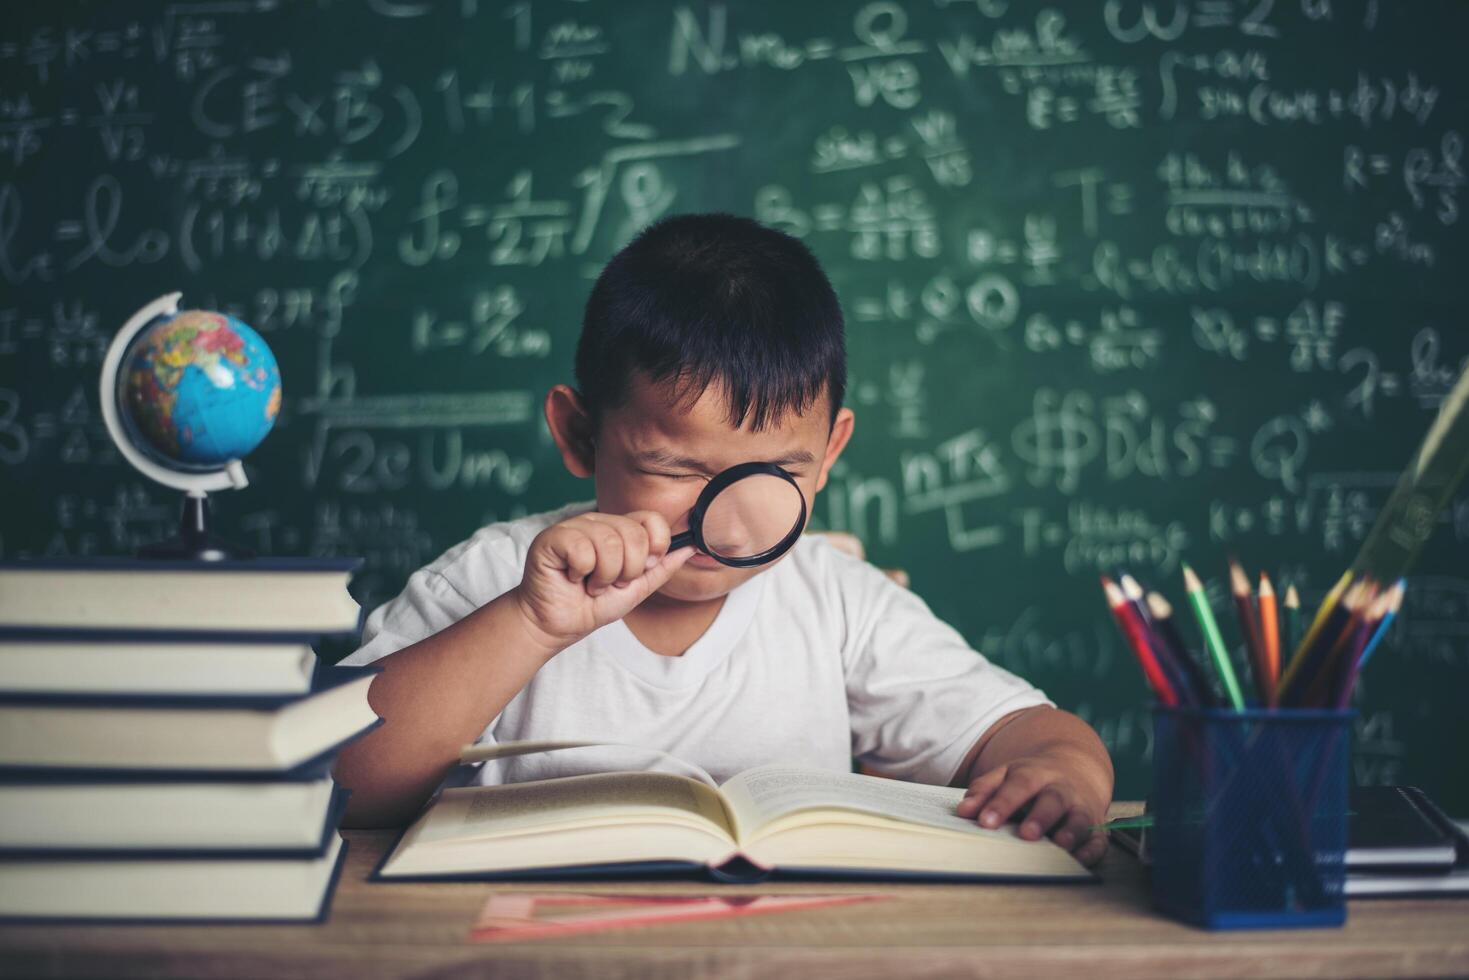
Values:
[(672, 476)]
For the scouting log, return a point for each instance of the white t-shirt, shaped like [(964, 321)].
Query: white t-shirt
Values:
[(816, 660)]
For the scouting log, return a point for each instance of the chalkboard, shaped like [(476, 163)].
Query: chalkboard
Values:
[(1127, 283)]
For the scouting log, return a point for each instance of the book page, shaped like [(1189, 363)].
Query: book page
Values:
[(571, 821), (574, 800), (761, 795)]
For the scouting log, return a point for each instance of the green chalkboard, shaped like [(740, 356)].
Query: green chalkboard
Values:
[(1126, 283)]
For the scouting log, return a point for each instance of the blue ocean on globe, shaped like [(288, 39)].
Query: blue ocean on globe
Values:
[(200, 389)]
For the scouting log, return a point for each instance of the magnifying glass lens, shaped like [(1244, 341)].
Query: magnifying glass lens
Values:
[(751, 516)]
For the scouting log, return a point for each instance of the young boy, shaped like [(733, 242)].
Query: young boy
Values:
[(708, 341)]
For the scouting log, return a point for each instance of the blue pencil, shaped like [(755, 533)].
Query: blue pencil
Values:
[(1394, 604)]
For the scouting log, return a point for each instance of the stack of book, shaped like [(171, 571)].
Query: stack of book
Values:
[(167, 737)]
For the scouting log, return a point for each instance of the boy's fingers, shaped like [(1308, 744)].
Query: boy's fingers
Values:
[(1093, 850), (655, 578), (658, 533), (1019, 787), (634, 551), (980, 790), (1045, 813), (1075, 830), (577, 553), (609, 556)]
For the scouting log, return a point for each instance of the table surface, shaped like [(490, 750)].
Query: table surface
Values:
[(422, 930)]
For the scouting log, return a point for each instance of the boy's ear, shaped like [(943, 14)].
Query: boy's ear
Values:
[(841, 431), (571, 427)]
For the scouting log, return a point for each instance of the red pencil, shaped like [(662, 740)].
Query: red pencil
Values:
[(1132, 628)]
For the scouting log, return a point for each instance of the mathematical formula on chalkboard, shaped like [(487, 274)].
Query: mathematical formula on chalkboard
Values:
[(1126, 283)]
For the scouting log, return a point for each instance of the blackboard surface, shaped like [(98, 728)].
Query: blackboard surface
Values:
[(1127, 283)]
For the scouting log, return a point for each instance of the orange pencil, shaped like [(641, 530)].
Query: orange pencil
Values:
[(1270, 630)]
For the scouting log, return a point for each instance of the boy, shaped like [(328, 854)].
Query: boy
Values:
[(708, 341)]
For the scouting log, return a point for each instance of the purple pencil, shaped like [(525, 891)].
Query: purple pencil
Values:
[(1353, 663)]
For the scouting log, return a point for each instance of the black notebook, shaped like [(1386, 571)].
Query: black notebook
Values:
[(1397, 828)]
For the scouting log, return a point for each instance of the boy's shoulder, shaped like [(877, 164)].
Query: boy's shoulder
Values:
[(834, 575), (478, 566)]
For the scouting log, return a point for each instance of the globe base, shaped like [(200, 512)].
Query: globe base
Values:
[(194, 542)]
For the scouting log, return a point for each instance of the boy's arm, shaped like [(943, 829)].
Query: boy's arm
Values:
[(435, 697), (1051, 760), (442, 692)]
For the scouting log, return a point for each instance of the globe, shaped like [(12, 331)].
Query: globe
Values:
[(199, 389)]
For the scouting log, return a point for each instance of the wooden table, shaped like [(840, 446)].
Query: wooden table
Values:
[(1090, 931)]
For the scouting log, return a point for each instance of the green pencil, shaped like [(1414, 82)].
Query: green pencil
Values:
[(1292, 618), (1212, 639)]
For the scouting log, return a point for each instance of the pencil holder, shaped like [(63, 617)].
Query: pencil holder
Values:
[(1250, 816)]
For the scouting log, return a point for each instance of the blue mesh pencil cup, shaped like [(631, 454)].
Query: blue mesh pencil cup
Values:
[(1250, 816)]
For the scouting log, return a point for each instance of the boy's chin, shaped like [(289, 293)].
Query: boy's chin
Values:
[(700, 585)]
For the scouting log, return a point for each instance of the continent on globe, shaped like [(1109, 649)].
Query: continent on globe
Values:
[(200, 388)]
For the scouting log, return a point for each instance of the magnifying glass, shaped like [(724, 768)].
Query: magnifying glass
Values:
[(749, 514)]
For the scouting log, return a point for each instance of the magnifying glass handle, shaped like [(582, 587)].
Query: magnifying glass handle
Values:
[(683, 539)]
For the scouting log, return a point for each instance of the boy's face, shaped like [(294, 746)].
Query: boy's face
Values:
[(653, 453)]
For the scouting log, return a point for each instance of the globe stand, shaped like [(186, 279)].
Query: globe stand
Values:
[(194, 542)]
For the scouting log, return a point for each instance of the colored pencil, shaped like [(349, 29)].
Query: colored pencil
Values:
[(1328, 606), (1167, 631), (1132, 629), (1270, 635), (1343, 655), (1367, 628), (1316, 661), (1239, 587), (1292, 623), (1213, 642), (1174, 671), (1395, 602)]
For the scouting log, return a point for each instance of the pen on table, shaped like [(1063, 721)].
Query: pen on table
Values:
[(1270, 635), (1213, 642), (1132, 629), (1125, 823), (1328, 606), (1167, 630), (1173, 670), (1239, 587)]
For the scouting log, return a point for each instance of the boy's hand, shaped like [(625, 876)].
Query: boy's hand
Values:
[(1055, 785), (592, 570)]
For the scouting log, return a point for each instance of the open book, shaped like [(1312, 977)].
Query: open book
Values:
[(767, 819)]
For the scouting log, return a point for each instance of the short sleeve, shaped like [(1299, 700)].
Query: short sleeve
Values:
[(919, 695), (427, 604)]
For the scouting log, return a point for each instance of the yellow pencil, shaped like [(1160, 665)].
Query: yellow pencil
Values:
[(1327, 605)]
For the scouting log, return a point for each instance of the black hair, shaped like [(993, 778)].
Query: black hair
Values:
[(700, 298)]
